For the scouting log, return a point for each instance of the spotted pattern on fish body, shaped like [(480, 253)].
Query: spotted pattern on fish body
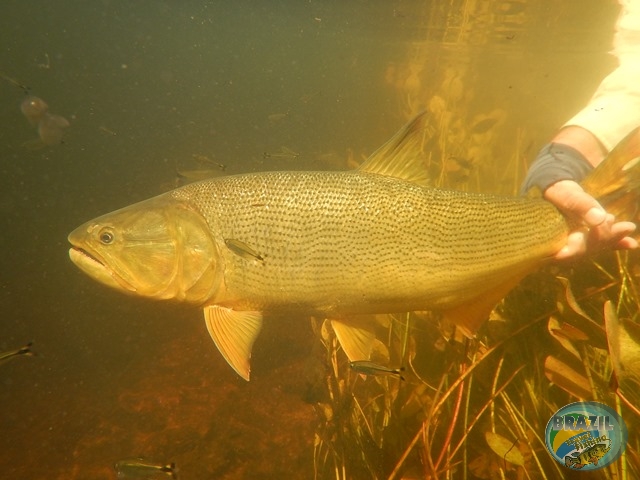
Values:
[(354, 242)]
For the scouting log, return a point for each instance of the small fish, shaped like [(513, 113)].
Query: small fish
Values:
[(243, 250), (284, 152), (51, 129), (141, 468), (14, 82), (276, 117), (484, 125), (204, 159), (369, 368), (107, 131), (309, 96), (590, 455), (26, 350)]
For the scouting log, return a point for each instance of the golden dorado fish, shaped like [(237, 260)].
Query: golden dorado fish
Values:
[(331, 244)]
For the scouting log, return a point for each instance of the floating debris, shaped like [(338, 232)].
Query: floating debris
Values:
[(33, 108), (51, 127), (505, 449)]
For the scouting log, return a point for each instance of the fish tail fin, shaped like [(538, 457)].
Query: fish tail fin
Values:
[(615, 183)]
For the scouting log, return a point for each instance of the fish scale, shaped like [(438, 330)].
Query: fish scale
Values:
[(341, 242)]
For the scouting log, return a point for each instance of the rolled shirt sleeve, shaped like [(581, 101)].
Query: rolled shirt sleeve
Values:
[(614, 109)]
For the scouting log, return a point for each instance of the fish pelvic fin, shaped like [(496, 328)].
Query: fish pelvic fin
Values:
[(403, 156), (470, 316), (234, 333), (615, 183), (355, 338)]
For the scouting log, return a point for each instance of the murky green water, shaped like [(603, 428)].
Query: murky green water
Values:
[(150, 86)]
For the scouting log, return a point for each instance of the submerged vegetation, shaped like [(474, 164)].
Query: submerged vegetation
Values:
[(478, 409)]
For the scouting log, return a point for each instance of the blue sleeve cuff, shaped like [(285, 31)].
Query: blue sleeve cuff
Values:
[(555, 162)]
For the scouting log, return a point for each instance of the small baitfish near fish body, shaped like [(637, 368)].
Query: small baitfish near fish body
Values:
[(366, 367), (139, 468), (331, 244), (22, 351)]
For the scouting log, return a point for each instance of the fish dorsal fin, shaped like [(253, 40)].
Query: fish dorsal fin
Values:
[(355, 339), (234, 332), (403, 155)]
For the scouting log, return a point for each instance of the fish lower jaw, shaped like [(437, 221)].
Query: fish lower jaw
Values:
[(96, 269)]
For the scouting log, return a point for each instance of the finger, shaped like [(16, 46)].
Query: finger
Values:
[(576, 245), (595, 215), (610, 232), (626, 243), (569, 197), (618, 236), (623, 229)]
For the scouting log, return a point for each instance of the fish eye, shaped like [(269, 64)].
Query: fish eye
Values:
[(106, 236)]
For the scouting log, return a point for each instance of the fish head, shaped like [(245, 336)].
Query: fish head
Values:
[(159, 248)]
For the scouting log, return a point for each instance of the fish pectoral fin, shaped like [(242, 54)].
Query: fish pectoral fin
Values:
[(234, 332), (355, 339)]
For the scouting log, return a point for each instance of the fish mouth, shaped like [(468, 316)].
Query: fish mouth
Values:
[(96, 269)]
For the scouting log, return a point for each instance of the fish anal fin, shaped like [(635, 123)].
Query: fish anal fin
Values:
[(469, 316), (355, 338), (403, 155), (234, 333)]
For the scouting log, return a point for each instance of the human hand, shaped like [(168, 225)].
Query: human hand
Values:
[(600, 230)]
